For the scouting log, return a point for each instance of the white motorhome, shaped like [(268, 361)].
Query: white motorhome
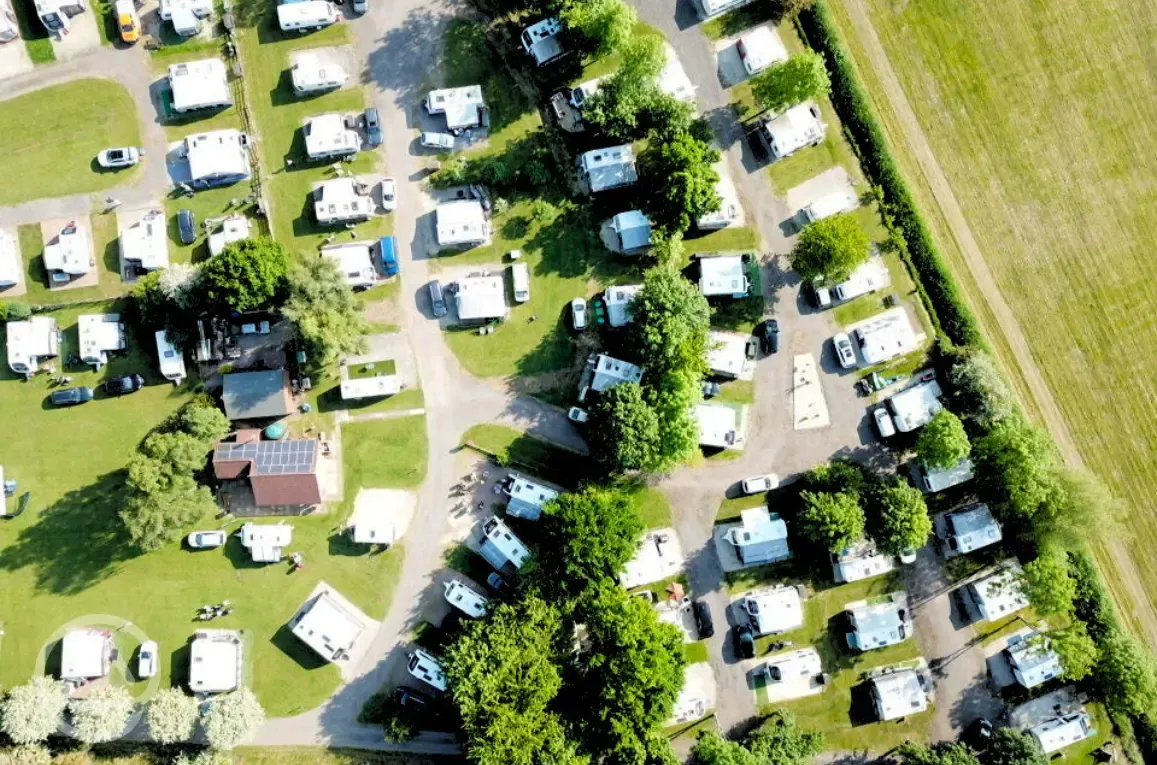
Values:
[(830, 204), (520, 278), (795, 129), (306, 16), (199, 85), (427, 668), (56, 15), (171, 359), (310, 74), (328, 136), (541, 40)]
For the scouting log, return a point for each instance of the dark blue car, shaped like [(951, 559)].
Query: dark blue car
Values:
[(389, 255), (373, 128), (187, 226)]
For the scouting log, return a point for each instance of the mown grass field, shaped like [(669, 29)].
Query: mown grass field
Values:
[(1042, 118)]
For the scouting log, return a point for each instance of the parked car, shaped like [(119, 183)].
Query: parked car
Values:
[(768, 333), (495, 582), (128, 21), (411, 700), (578, 314), (845, 353), (112, 159), (437, 299), (818, 295), (147, 660), (389, 194), (760, 484), (744, 641), (751, 350), (711, 389), (373, 121), (205, 540), (360, 6), (71, 396), (389, 247), (186, 225), (440, 141), (884, 425), (577, 414), (704, 624), (118, 386)]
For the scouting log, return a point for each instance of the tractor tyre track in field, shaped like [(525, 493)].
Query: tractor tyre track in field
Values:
[(1115, 554)]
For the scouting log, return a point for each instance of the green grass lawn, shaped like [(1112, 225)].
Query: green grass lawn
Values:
[(50, 139), (652, 507), (730, 509), (36, 39), (122, 753), (68, 557), (279, 115), (731, 239), (695, 653), (1022, 177), (510, 447)]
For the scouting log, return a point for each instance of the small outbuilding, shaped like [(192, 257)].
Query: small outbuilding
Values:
[(461, 222), (215, 661), (145, 244), (633, 230), (257, 395), (1000, 594), (609, 168), (30, 342), (100, 335), (773, 610), (723, 275), (527, 497), (217, 158), (762, 537), (327, 626), (480, 299), (199, 85), (500, 547), (618, 300), (969, 529), (280, 473), (86, 654), (464, 107)]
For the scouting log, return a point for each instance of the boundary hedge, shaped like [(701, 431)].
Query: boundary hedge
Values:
[(949, 311)]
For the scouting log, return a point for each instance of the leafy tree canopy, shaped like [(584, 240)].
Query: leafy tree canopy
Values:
[(32, 712), (1047, 584), (624, 429), (830, 249), (1010, 746), (604, 26), (1077, 651), (833, 520), (1127, 674), (942, 442), (588, 536), (940, 754), (801, 77), (102, 715), (671, 319), (902, 517), (248, 275), (682, 179), (327, 315), (172, 715), (232, 718), (1022, 468)]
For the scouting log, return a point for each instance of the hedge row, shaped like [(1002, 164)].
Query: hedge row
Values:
[(952, 316)]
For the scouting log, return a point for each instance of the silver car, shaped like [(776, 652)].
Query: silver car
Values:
[(884, 424), (440, 141), (117, 158), (845, 353), (203, 540), (578, 314)]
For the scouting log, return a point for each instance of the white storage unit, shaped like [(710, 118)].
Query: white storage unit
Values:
[(199, 85), (306, 15)]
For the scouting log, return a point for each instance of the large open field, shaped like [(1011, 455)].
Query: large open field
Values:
[(1028, 132)]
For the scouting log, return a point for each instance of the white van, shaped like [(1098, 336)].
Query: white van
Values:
[(171, 358), (305, 16), (830, 204), (9, 29), (427, 669), (520, 274)]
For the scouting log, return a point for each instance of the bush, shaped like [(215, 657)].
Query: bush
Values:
[(14, 311)]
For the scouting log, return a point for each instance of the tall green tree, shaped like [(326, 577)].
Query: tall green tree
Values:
[(777, 741), (1010, 746), (630, 676), (1077, 651), (1021, 466), (1082, 511), (1127, 674), (32, 712), (942, 442), (587, 537), (232, 718), (901, 517), (172, 715), (938, 754), (801, 77), (102, 715), (327, 315), (160, 517), (248, 275), (624, 429), (980, 389), (503, 675), (674, 399), (830, 249), (671, 319), (1047, 584), (207, 424), (681, 177), (604, 26), (832, 520)]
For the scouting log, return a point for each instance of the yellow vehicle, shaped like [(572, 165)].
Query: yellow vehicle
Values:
[(128, 21)]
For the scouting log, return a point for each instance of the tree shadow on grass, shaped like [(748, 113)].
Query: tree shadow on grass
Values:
[(77, 542), (571, 247)]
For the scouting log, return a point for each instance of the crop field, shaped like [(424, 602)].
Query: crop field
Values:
[(1040, 118)]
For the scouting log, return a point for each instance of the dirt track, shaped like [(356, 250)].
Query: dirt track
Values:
[(1131, 594)]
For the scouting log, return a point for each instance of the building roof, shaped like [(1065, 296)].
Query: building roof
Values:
[(886, 336), (500, 547), (100, 333), (465, 598), (1059, 732), (763, 47), (762, 537), (326, 135), (861, 561), (796, 128), (479, 298), (370, 387), (460, 105), (85, 653), (217, 155), (355, 261), (215, 661), (633, 228), (526, 497), (233, 229), (70, 251), (11, 266), (328, 627), (31, 340), (1000, 594), (1032, 660), (877, 625), (939, 479), (256, 395), (462, 221), (899, 694), (338, 200), (775, 609), (723, 275), (310, 71), (541, 41), (279, 472), (266, 542), (610, 372), (726, 353), (972, 528), (914, 406), (199, 84), (618, 299), (609, 168), (718, 426), (146, 242)]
